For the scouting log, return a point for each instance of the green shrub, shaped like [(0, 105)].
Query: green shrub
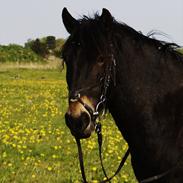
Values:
[(17, 53), (51, 42), (40, 48), (46, 46), (59, 44)]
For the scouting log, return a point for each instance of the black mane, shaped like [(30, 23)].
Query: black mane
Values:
[(94, 33)]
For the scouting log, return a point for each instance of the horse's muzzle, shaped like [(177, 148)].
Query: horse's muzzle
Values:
[(80, 127), (79, 120)]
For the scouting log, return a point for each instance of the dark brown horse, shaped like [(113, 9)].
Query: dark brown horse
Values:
[(139, 79)]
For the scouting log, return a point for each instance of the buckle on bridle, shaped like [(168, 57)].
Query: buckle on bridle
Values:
[(75, 98)]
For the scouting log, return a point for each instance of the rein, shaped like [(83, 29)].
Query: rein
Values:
[(80, 156), (98, 130)]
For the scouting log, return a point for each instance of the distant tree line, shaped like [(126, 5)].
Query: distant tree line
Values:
[(37, 50)]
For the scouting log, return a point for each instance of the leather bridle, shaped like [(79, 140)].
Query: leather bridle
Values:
[(110, 75)]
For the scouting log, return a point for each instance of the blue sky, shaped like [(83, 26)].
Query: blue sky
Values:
[(21, 20)]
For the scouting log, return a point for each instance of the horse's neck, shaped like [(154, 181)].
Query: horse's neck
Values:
[(129, 117), (143, 111), (140, 85)]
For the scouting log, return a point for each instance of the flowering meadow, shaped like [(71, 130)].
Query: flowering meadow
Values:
[(35, 144)]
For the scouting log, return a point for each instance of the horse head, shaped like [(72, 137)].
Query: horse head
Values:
[(88, 58)]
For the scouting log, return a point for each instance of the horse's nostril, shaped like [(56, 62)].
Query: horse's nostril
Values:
[(78, 124), (85, 118)]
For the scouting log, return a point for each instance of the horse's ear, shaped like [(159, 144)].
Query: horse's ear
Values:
[(70, 23), (106, 17)]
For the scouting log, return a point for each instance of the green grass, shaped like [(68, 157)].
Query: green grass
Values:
[(35, 144)]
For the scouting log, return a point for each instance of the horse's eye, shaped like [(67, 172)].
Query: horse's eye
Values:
[(78, 44), (75, 43), (100, 61)]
